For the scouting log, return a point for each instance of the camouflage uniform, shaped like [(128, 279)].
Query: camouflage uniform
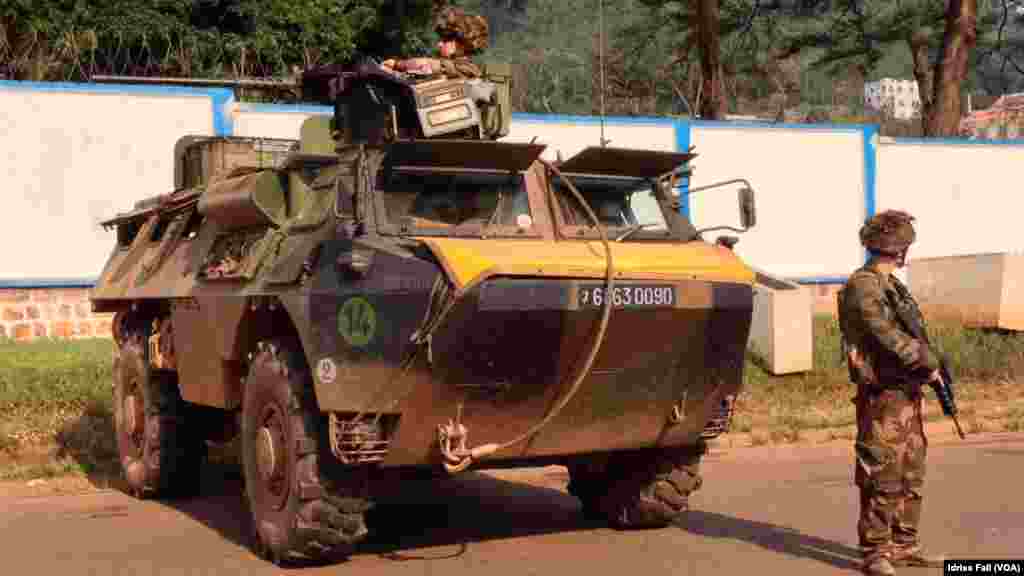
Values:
[(889, 367), (469, 31)]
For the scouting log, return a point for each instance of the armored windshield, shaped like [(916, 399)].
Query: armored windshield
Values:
[(627, 208), (453, 203)]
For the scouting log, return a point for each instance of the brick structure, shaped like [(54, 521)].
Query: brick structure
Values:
[(1003, 120), (64, 313)]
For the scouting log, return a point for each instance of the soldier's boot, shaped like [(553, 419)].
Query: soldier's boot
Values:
[(878, 565), (913, 555)]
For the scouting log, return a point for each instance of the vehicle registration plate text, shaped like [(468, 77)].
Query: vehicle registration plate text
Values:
[(628, 296)]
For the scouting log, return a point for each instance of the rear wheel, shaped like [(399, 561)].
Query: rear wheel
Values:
[(293, 514), (636, 489), (160, 455)]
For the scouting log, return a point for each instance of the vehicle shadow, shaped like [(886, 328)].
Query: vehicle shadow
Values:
[(780, 539), (432, 520), (432, 517)]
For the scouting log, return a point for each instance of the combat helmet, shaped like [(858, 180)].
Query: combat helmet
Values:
[(470, 30), (889, 232)]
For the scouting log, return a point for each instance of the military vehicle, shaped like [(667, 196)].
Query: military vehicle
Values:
[(367, 307)]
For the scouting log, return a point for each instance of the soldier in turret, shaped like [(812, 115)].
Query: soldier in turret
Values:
[(889, 366), (462, 36)]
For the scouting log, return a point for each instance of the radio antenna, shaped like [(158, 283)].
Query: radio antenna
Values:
[(600, 48)]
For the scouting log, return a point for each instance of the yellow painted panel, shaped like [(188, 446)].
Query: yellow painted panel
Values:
[(469, 261)]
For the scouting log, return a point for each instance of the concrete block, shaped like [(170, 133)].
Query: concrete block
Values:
[(782, 328), (978, 290)]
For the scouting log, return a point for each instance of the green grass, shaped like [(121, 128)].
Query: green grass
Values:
[(985, 364), (53, 376), (57, 393)]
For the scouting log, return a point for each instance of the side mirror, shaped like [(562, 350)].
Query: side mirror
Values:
[(748, 213)]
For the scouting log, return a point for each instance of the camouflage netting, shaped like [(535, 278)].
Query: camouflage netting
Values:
[(889, 232)]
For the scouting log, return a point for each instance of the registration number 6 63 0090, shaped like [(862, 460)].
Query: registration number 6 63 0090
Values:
[(628, 295)]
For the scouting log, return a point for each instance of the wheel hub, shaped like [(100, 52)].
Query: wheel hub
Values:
[(267, 454)]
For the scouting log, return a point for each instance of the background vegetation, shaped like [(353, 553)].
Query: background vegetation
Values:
[(778, 58)]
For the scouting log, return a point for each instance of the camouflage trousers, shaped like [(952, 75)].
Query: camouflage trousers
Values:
[(889, 472)]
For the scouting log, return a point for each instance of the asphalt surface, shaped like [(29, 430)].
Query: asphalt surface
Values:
[(762, 511)]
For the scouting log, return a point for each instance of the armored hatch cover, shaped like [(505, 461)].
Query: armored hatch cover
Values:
[(624, 162), (469, 154)]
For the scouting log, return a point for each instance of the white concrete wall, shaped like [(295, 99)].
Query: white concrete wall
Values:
[(968, 198), (809, 187), (569, 135), (75, 154), (272, 120), (72, 159)]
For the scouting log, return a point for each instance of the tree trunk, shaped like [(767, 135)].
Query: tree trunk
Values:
[(923, 74), (712, 104), (951, 69)]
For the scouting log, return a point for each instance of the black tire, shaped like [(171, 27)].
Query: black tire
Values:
[(638, 489), (293, 514), (160, 455), (587, 482)]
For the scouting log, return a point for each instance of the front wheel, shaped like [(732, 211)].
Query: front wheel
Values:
[(636, 489), (293, 514), (161, 455)]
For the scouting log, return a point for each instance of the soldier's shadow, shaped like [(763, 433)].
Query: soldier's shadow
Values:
[(780, 539)]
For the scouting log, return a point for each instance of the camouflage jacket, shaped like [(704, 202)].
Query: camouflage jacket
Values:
[(879, 348)]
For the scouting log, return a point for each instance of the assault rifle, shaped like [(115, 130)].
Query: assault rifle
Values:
[(914, 323)]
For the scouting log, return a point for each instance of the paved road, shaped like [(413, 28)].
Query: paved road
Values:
[(763, 510)]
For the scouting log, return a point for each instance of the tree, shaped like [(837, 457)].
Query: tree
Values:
[(735, 40), (708, 23), (1000, 56), (61, 40), (860, 29)]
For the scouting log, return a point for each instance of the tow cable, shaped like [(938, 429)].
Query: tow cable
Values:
[(457, 458)]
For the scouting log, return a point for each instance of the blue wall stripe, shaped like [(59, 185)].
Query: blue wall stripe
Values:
[(816, 280), (683, 145), (573, 119), (264, 108), (770, 125), (223, 120), (870, 137), (221, 98), (24, 283)]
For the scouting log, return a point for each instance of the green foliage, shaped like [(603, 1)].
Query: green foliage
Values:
[(71, 40)]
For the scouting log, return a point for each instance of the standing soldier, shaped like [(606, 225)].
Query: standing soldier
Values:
[(462, 35), (889, 367)]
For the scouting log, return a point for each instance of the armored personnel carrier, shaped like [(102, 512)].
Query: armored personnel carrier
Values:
[(372, 304)]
